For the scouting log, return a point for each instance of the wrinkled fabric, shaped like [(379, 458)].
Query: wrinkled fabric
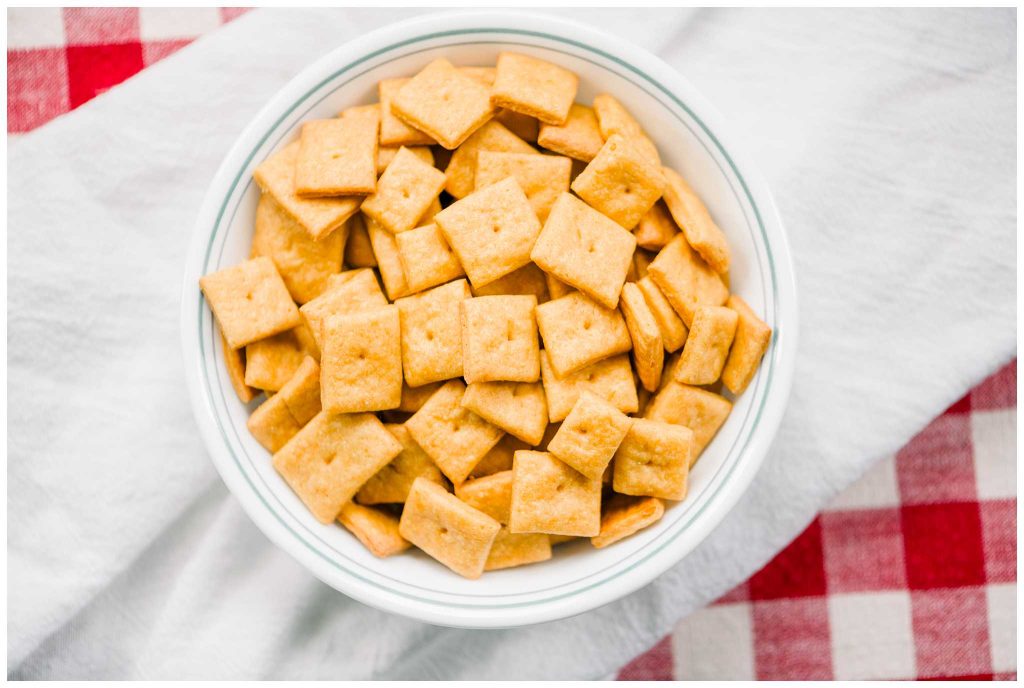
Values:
[(887, 136)]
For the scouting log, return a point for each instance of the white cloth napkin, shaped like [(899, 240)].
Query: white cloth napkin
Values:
[(888, 138)]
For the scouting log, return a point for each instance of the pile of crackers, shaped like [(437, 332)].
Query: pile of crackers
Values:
[(410, 260)]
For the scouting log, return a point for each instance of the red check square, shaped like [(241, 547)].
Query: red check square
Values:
[(95, 68), (101, 25), (863, 550), (36, 87), (943, 545), (792, 639), (653, 665), (797, 571), (951, 632), (938, 464), (999, 528), (998, 391)]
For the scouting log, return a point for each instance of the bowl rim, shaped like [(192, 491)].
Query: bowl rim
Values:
[(782, 349)]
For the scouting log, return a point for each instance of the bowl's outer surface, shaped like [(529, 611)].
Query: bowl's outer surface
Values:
[(691, 138)]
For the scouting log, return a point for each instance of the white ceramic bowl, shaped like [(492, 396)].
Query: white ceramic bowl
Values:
[(691, 138)]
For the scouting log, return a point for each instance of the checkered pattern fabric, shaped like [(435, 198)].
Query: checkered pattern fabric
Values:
[(909, 573)]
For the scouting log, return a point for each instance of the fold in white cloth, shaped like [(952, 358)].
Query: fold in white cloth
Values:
[(887, 136)]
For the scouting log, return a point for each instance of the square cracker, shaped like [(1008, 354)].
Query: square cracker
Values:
[(527, 280), (610, 379), (548, 496), (707, 345), (701, 411), (620, 182), (330, 458), (579, 138), (453, 436), (358, 249), (444, 103), (427, 259), (376, 529), (234, 361), (320, 216), (393, 131), (391, 484), (361, 361), (578, 331), (613, 118), (250, 301), (627, 515), (585, 249), (491, 231), (654, 460), (534, 87), (351, 292), (686, 280), (748, 346), (460, 174), (518, 408), (493, 496), (589, 435), (432, 333), (656, 228), (541, 177), (272, 361), (385, 154), (338, 157), (673, 329), (689, 212), (389, 262), (272, 424), (499, 339), (404, 192), (648, 349), (304, 264), (449, 530)]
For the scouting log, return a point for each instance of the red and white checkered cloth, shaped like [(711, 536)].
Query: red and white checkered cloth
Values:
[(911, 573)]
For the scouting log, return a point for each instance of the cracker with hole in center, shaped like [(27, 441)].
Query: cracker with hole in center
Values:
[(361, 361), (432, 333), (394, 131), (338, 157), (453, 436), (351, 291), (493, 496), (620, 182), (448, 529), (686, 280), (499, 339), (701, 411), (549, 496), (332, 456), (589, 435), (444, 103), (404, 192), (250, 301), (653, 460), (491, 231), (578, 331), (585, 249)]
